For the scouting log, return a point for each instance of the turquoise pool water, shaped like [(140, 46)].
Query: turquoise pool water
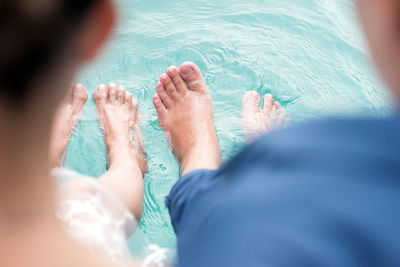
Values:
[(309, 54)]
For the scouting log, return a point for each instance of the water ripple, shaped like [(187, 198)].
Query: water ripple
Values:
[(309, 54)]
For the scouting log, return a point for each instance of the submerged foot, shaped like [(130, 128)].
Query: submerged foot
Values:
[(65, 122), (257, 121), (119, 119), (185, 112)]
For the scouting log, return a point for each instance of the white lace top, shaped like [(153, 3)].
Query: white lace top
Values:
[(93, 215)]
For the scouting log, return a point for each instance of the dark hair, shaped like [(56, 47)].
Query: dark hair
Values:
[(31, 37)]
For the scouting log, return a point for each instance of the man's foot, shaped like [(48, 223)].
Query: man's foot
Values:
[(65, 122), (185, 112), (257, 121), (119, 120)]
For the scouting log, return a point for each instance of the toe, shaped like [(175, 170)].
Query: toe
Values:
[(112, 93), (169, 86), (128, 100), (79, 95), (251, 103), (191, 74), (180, 85), (162, 93), (278, 119), (268, 103), (276, 107), (281, 115), (100, 95), (120, 95), (68, 97), (160, 108), (134, 104), (134, 108)]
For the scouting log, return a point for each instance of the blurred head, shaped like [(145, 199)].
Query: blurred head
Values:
[(381, 21), (44, 42)]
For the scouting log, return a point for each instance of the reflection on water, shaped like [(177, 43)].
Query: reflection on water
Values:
[(308, 54)]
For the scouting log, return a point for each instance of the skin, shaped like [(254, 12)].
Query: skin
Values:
[(119, 116), (185, 112), (119, 119), (67, 118), (381, 22), (27, 219), (257, 121), (187, 119)]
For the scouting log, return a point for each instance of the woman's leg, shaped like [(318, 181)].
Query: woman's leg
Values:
[(65, 122), (119, 119), (99, 212)]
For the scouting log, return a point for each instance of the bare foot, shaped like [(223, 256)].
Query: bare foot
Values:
[(119, 119), (185, 112), (65, 122), (257, 121)]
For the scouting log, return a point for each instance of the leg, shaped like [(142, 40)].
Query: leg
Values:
[(98, 213), (185, 112), (66, 120), (256, 121), (124, 140), (119, 119)]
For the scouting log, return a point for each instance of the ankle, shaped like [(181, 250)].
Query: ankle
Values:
[(57, 155), (126, 158), (200, 158)]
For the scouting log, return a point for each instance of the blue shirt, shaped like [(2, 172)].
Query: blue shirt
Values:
[(322, 194)]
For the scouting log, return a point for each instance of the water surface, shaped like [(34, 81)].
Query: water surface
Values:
[(309, 54)]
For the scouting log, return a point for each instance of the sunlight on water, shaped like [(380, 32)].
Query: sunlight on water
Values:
[(309, 54)]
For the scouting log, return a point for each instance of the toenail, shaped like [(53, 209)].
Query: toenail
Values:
[(171, 70), (159, 87), (102, 88), (187, 70), (164, 77)]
